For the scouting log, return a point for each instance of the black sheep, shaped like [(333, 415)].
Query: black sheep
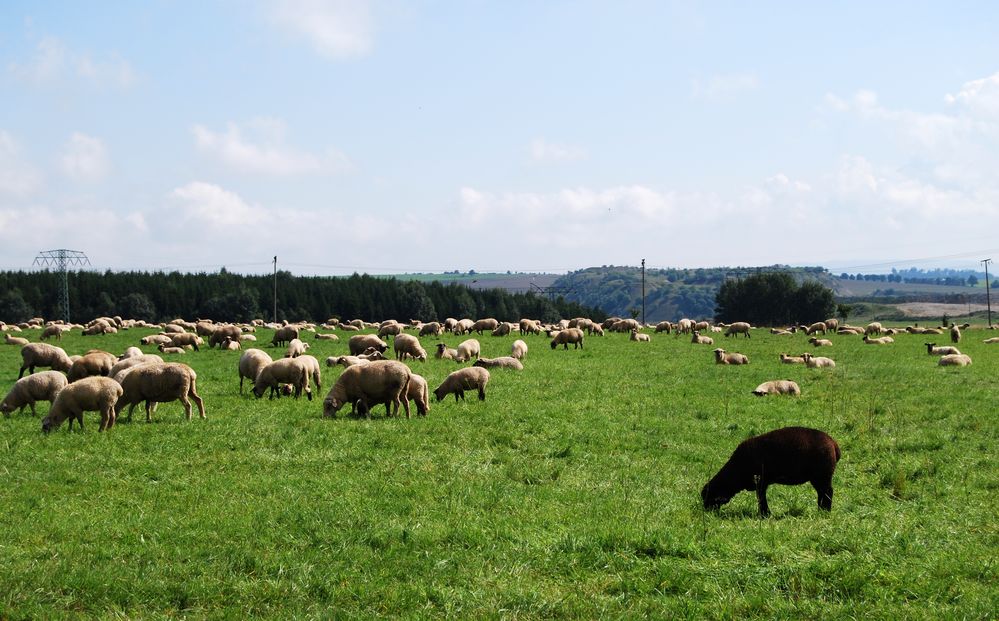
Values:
[(788, 456)]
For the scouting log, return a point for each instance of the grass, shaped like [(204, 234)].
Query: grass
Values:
[(572, 492)]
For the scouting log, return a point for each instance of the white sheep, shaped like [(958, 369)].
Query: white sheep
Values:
[(503, 362), (445, 353), (724, 357), (884, 340), (777, 387), (92, 363), (171, 350), (384, 381), (346, 361), (639, 336), (15, 340), (955, 360), (156, 339), (818, 362), (873, 328), (933, 350), (296, 348), (739, 327), (701, 340), (43, 355), (467, 350), (283, 371), (42, 386), (128, 363), (314, 370), (785, 359), (519, 349), (159, 382), (469, 378), (131, 352), (955, 334), (817, 342), (250, 364), (326, 337), (407, 345), (90, 394), (991, 341)]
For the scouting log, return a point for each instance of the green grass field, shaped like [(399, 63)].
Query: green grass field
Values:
[(571, 492)]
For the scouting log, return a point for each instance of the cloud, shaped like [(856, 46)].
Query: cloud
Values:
[(979, 97), (544, 151), (211, 207), (724, 87), (269, 155), (53, 62), (84, 158), (17, 178), (337, 29)]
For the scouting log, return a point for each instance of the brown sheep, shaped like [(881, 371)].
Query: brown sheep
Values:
[(360, 342), (383, 381), (567, 336), (283, 371), (432, 328), (445, 353), (739, 327), (468, 349), (469, 378), (818, 326), (481, 325), (955, 334), (159, 382), (408, 345), (787, 456), (250, 364), (219, 334), (187, 339), (87, 395), (92, 363), (284, 334), (41, 386), (785, 359)]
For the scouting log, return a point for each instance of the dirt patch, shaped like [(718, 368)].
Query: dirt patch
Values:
[(936, 310)]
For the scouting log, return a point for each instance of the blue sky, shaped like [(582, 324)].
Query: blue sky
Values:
[(404, 136)]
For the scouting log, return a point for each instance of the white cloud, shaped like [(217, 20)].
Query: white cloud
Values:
[(980, 97), (84, 158), (724, 87), (211, 207), (269, 155), (337, 29), (53, 62), (543, 151), (16, 177)]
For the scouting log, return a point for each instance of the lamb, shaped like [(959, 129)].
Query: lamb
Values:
[(933, 350), (43, 355), (87, 395), (445, 353), (384, 381), (503, 362), (283, 335), (15, 340), (724, 357), (817, 342), (250, 364), (739, 327), (360, 342), (42, 386), (777, 387), (187, 339), (409, 345), (481, 325), (519, 349), (467, 350), (296, 348), (159, 382), (128, 363), (283, 371), (884, 340), (567, 336), (818, 326), (818, 362), (639, 336), (326, 337), (156, 339), (785, 359), (93, 363), (955, 360), (787, 456), (432, 328), (873, 328), (955, 334), (696, 338), (469, 378), (419, 393)]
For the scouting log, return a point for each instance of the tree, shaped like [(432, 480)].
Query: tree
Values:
[(843, 311), (773, 298), (137, 306), (972, 281), (14, 308)]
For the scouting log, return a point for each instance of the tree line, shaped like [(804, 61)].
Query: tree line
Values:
[(224, 296)]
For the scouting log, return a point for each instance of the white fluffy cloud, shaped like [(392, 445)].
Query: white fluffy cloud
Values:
[(265, 152), (980, 97), (337, 29), (84, 158), (17, 178), (53, 62)]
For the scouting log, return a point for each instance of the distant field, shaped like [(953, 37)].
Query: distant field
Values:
[(571, 492), (866, 288)]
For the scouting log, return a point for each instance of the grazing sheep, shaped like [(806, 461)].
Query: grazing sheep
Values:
[(42, 386), (250, 364), (567, 336), (739, 327), (503, 329), (955, 334), (638, 336), (785, 359), (883, 340), (43, 355), (419, 393), (53, 330), (832, 324), (159, 382), (15, 340), (173, 328), (390, 329), (219, 334), (481, 325), (360, 342), (432, 328), (283, 371), (818, 326), (409, 345), (818, 362), (314, 370), (464, 326), (467, 350), (92, 363), (873, 328), (469, 378), (283, 335), (817, 342), (933, 350), (128, 363), (503, 362), (296, 348), (384, 381), (519, 349), (664, 326), (955, 360), (787, 456), (777, 387), (697, 339), (530, 326), (90, 394), (445, 353), (724, 357), (187, 339)]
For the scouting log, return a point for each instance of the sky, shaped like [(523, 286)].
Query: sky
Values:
[(397, 136)]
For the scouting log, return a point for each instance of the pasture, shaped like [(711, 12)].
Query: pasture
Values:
[(571, 492)]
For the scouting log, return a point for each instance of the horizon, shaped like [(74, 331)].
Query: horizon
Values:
[(393, 136)]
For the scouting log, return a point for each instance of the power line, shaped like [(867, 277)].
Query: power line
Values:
[(61, 259)]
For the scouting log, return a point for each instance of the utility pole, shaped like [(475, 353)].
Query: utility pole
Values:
[(643, 292), (988, 298), (275, 288), (61, 259)]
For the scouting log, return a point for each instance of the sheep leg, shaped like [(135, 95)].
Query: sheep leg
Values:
[(366, 407), (825, 492), (33, 412), (79, 419), (761, 498), (240, 384), (187, 406), (198, 401), (482, 393), (149, 409), (405, 404)]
